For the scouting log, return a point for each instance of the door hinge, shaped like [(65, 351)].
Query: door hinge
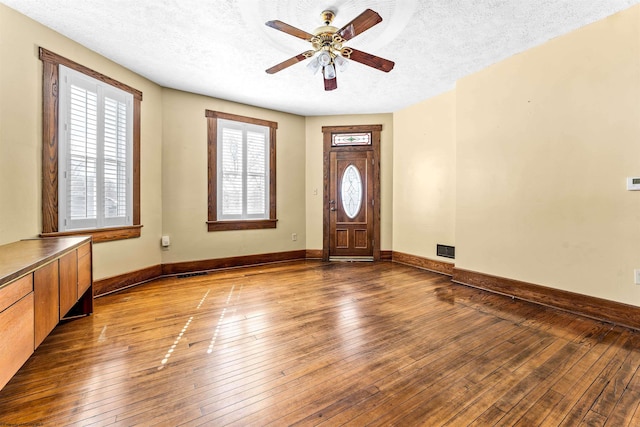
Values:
[(373, 202)]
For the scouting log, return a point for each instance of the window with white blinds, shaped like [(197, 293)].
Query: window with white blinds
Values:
[(242, 170), (95, 164)]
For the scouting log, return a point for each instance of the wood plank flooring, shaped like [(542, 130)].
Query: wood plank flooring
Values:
[(312, 343)]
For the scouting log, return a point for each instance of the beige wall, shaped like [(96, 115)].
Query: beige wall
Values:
[(184, 182), (314, 178), (545, 141), (424, 176), (21, 142)]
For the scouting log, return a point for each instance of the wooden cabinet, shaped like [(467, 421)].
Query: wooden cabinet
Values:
[(41, 282)]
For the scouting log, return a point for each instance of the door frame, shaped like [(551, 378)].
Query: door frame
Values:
[(328, 132)]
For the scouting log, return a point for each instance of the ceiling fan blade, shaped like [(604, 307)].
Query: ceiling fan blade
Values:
[(371, 60), (286, 28), (289, 62), (330, 84), (360, 24)]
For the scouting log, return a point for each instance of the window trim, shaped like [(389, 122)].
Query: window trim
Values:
[(50, 145), (212, 143)]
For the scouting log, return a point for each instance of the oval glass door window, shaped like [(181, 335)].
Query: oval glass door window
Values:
[(351, 191)]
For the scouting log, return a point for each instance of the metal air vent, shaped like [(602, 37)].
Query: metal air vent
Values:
[(446, 251)]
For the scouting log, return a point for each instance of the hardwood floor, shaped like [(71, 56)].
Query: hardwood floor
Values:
[(312, 343)]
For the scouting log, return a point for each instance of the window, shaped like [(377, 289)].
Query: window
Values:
[(91, 152), (242, 172), (94, 154)]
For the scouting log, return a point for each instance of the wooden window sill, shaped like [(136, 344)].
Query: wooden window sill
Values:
[(241, 224), (102, 234)]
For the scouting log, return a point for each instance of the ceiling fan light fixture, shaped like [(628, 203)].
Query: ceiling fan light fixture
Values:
[(313, 65), (329, 72), (341, 63), (324, 58)]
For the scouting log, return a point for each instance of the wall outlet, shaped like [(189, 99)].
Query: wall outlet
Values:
[(294, 237), (165, 241), (636, 276)]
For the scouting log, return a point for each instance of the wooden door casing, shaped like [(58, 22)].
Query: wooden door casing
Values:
[(371, 199)]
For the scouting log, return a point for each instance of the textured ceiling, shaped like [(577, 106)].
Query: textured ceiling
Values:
[(221, 48)]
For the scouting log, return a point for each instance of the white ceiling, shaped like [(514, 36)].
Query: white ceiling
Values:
[(221, 48)]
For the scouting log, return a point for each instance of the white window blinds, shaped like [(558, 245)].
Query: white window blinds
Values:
[(243, 170), (95, 156)]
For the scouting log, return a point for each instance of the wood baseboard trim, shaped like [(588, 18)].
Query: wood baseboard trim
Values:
[(122, 281), (584, 305), (386, 255), (424, 263), (239, 261), (314, 253)]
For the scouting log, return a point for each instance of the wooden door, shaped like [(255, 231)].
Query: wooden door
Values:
[(350, 205), (351, 219)]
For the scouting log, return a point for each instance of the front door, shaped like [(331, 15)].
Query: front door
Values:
[(350, 205), (352, 225)]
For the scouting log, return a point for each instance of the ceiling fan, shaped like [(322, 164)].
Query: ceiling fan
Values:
[(328, 51)]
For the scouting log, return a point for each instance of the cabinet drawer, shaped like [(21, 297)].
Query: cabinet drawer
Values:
[(12, 292), (17, 332)]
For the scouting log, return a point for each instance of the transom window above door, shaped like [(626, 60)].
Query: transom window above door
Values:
[(361, 138)]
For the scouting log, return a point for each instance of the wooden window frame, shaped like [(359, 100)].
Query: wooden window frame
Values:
[(212, 143), (50, 85)]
